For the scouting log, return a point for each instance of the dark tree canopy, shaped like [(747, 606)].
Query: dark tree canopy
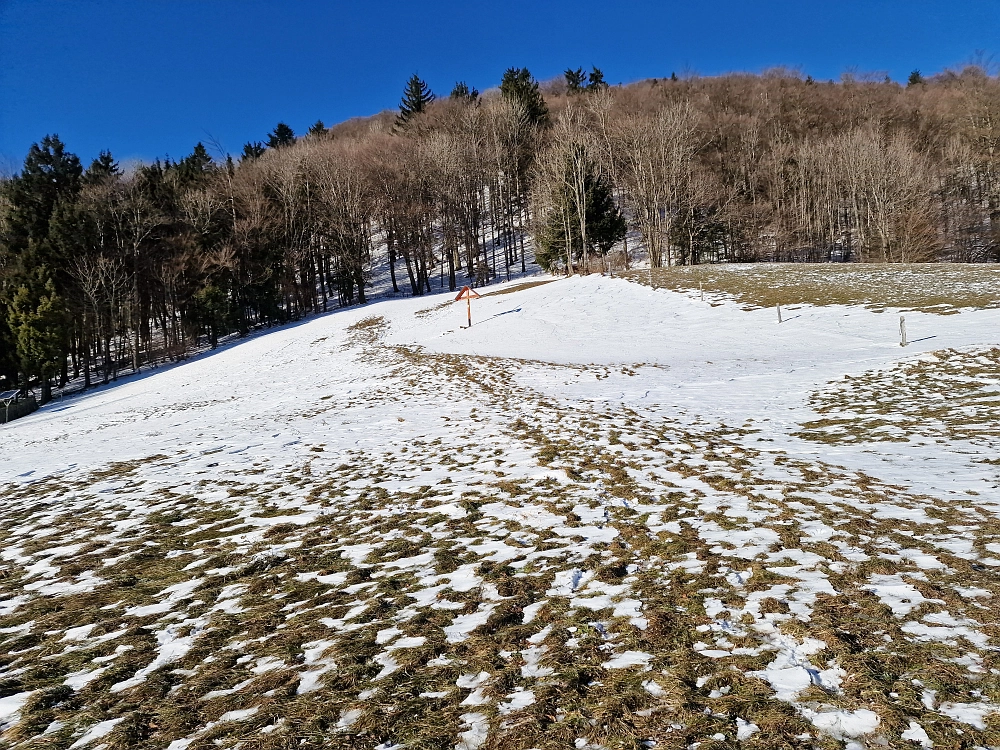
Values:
[(50, 174), (575, 80), (416, 96), (101, 169), (253, 150), (560, 232), (281, 136), (462, 92), (519, 85)]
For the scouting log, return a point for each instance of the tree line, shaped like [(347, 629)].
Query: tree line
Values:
[(104, 270)]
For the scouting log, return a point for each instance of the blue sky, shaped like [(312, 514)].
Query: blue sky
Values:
[(148, 78)]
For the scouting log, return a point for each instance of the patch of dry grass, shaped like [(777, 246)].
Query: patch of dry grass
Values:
[(942, 288)]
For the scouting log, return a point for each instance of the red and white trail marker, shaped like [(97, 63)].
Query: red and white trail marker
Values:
[(467, 294)]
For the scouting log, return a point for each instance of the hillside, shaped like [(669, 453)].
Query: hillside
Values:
[(606, 515)]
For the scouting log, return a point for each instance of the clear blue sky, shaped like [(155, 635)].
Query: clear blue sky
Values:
[(148, 78)]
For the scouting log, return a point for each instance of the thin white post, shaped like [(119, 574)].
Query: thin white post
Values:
[(902, 331)]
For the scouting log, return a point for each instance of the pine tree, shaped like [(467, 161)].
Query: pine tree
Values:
[(101, 170), (604, 222), (462, 92), (416, 96), (317, 128), (575, 80), (520, 86), (915, 79), (51, 174), (281, 136), (37, 320), (194, 166), (253, 150), (596, 80)]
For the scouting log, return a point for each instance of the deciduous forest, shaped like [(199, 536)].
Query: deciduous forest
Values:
[(105, 270)]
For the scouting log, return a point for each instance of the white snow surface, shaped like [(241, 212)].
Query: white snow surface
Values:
[(699, 398)]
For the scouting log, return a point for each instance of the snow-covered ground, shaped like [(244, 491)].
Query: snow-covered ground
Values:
[(604, 514)]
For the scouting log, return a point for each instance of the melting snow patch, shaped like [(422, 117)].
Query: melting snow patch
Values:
[(969, 713), (476, 735), (916, 733), (629, 659), (840, 724), (9, 707), (745, 729), (96, 732), (515, 701)]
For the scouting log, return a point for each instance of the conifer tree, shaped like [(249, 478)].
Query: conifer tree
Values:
[(101, 169), (915, 79), (559, 233), (253, 150), (282, 135), (194, 166), (462, 92), (51, 174), (317, 128), (596, 80), (575, 80), (37, 321), (519, 85), (416, 96)]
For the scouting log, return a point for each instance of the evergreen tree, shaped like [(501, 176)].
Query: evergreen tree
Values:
[(195, 166), (37, 321), (416, 96), (253, 150), (575, 80), (281, 136), (101, 169), (50, 174), (561, 229), (596, 80), (915, 79), (462, 92), (673, 77), (317, 128), (519, 85)]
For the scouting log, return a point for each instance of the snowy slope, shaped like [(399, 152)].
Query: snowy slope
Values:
[(603, 501)]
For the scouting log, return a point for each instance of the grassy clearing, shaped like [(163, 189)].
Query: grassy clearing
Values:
[(941, 288)]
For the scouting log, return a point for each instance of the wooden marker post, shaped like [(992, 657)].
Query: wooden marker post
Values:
[(467, 294), (902, 331), (779, 313)]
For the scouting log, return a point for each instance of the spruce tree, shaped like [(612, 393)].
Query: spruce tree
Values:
[(317, 128), (462, 92), (51, 174), (518, 85), (36, 317), (604, 222), (596, 80), (253, 150), (193, 167), (416, 96), (575, 80), (101, 169), (281, 136), (915, 79)]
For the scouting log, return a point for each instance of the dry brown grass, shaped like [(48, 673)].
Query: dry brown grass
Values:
[(927, 287)]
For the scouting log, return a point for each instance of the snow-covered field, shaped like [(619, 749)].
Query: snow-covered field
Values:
[(606, 515)]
